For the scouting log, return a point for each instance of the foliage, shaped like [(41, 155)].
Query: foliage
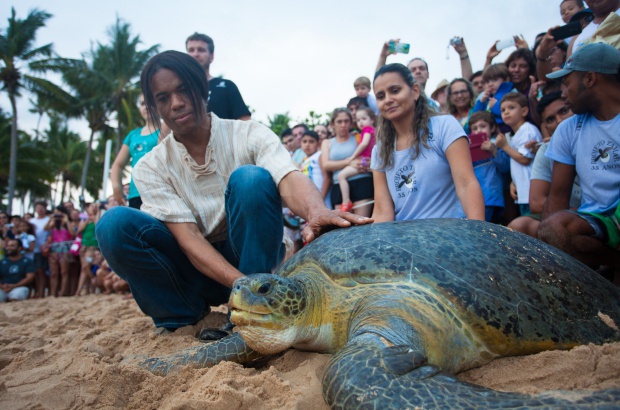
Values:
[(313, 118), (279, 122), (120, 63), (17, 50), (35, 175)]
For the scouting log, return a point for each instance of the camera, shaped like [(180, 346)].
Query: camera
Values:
[(454, 41)]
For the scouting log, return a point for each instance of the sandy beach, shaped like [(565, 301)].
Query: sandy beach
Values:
[(72, 353)]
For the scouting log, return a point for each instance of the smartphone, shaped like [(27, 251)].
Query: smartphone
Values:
[(475, 141), (398, 47), (502, 44), (566, 31)]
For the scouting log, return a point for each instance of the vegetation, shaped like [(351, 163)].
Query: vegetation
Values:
[(102, 88)]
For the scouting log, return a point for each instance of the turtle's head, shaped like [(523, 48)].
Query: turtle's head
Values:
[(267, 310)]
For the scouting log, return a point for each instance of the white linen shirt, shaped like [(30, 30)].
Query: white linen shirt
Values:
[(174, 188)]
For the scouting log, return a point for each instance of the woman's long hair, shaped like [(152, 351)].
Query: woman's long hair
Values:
[(386, 132)]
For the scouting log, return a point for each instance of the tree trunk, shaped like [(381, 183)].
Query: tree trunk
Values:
[(86, 162), (64, 188), (13, 155)]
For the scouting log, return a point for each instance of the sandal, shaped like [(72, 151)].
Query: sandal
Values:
[(346, 207)]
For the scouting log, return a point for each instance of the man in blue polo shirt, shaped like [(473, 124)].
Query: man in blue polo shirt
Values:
[(587, 145)]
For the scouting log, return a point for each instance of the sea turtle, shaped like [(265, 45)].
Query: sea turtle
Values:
[(403, 305)]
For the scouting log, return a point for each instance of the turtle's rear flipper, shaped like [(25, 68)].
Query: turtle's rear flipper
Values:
[(232, 348), (364, 374)]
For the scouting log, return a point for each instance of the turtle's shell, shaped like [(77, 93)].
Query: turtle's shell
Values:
[(493, 275)]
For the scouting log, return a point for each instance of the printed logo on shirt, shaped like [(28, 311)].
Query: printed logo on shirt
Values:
[(14, 269), (222, 84), (405, 181), (605, 155)]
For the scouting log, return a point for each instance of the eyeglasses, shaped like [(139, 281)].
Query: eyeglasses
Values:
[(462, 92)]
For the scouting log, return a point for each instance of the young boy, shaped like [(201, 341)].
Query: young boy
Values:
[(488, 171), (496, 81), (310, 165), (362, 90), (514, 108)]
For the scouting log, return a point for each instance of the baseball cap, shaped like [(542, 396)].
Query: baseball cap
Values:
[(598, 58), (581, 14)]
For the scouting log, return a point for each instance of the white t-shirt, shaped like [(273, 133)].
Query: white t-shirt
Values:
[(310, 167), (521, 173), (424, 188), (40, 233), (586, 33), (593, 147)]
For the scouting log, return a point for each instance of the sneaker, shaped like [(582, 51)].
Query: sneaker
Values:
[(210, 334), (162, 331), (346, 207)]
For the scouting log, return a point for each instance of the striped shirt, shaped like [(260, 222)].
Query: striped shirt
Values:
[(174, 188)]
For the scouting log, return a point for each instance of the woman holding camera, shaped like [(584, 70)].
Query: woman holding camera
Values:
[(89, 245), (421, 163), (59, 240)]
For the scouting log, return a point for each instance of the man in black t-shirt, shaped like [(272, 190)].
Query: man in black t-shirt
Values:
[(16, 272), (224, 97)]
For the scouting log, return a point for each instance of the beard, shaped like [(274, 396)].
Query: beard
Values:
[(12, 253)]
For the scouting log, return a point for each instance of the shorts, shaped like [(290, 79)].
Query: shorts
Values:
[(135, 203), (360, 188), (606, 228), (40, 262)]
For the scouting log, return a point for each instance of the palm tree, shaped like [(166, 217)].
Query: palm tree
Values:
[(17, 52), (90, 99), (35, 174), (66, 152), (121, 63)]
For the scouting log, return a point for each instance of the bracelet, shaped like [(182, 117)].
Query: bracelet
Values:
[(543, 59), (465, 58)]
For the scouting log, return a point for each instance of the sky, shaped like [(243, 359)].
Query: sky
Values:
[(291, 56)]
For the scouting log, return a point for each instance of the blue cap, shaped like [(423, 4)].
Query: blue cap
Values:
[(598, 58)]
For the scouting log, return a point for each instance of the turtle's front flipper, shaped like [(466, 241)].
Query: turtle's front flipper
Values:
[(232, 349), (365, 374)]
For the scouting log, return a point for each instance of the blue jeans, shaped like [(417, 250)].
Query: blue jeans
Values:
[(164, 283)]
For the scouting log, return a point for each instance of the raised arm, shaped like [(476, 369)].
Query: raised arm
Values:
[(461, 49), (116, 173), (385, 52)]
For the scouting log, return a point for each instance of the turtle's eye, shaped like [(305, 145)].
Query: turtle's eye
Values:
[(264, 288)]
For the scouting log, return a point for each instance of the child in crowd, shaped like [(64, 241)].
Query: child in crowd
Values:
[(496, 79), (514, 108), (362, 90), (353, 105), (366, 123), (26, 235), (568, 8), (488, 171), (310, 165)]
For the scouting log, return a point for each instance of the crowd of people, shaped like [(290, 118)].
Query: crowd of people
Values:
[(54, 252), (532, 143)]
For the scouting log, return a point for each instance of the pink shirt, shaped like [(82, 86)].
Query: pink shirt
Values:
[(367, 153), (61, 235)]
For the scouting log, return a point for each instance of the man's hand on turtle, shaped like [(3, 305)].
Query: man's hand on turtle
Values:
[(327, 220)]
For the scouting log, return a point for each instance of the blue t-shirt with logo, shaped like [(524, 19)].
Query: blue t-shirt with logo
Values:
[(13, 272), (424, 188), (593, 147), (139, 146)]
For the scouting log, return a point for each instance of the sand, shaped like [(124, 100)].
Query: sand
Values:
[(72, 353)]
